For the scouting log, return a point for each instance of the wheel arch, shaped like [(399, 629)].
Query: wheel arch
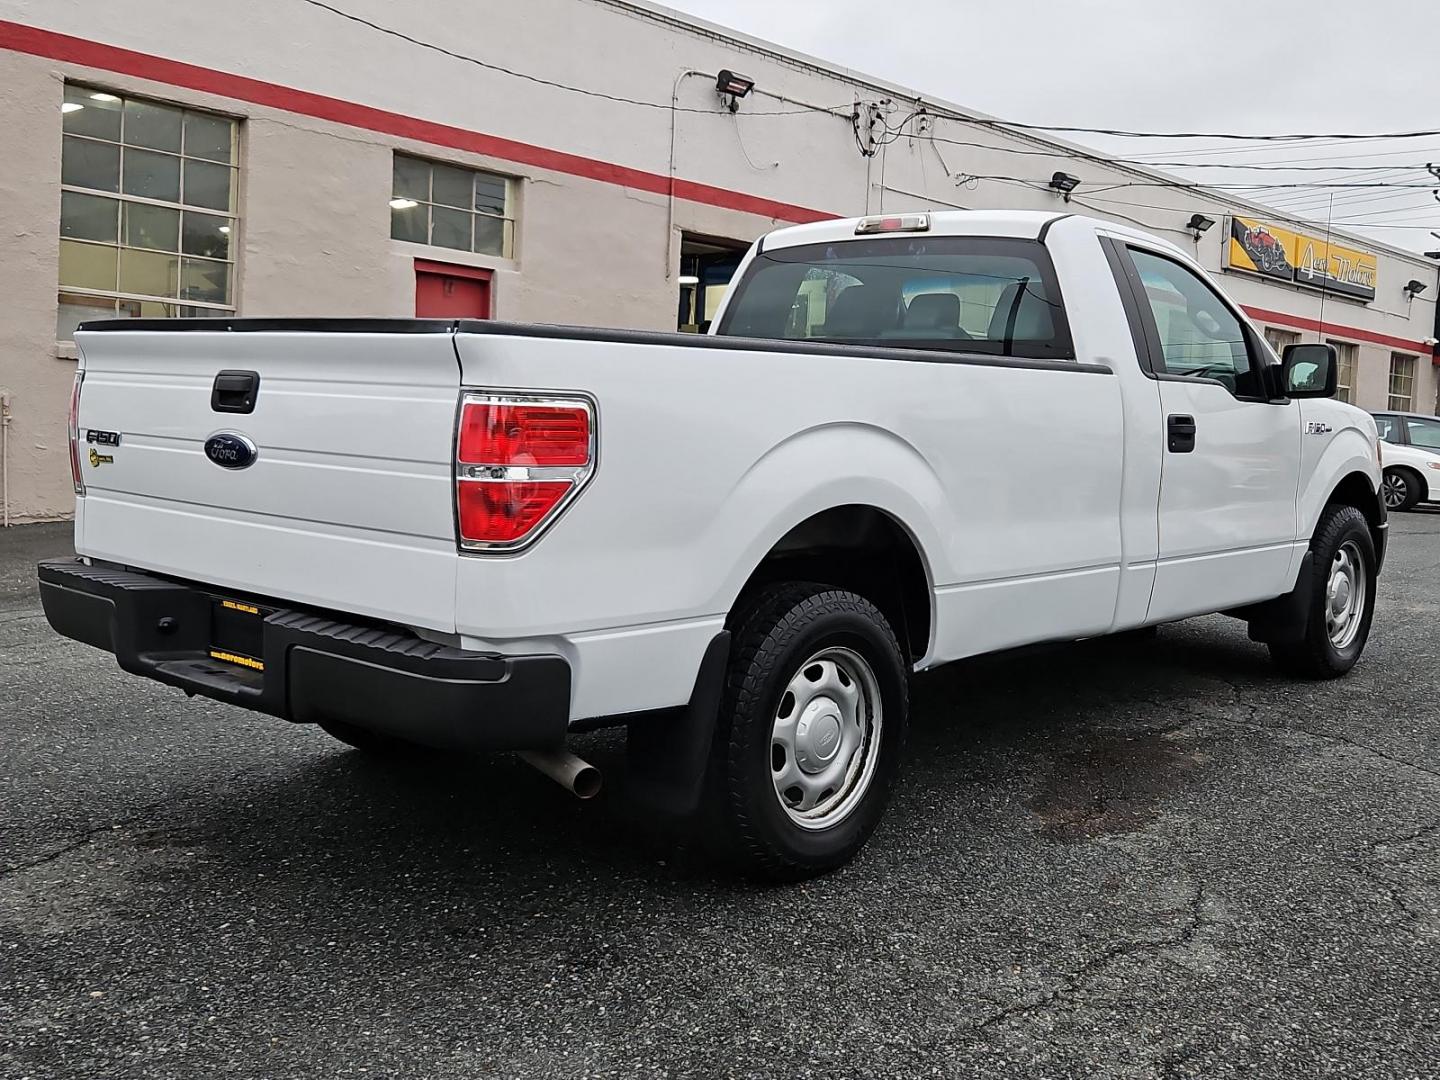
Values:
[(865, 549)]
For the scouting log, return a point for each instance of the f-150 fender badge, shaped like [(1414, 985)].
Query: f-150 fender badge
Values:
[(97, 459), (230, 451), (1316, 428)]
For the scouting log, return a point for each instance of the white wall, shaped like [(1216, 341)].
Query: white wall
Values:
[(314, 220)]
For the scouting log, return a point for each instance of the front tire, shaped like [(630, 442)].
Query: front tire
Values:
[(1341, 604), (1403, 489), (810, 732)]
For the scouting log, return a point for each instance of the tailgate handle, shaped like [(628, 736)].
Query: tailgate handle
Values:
[(235, 391)]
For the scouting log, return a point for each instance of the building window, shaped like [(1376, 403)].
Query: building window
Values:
[(147, 210), (1279, 339), (1402, 382), (1345, 357), (450, 207)]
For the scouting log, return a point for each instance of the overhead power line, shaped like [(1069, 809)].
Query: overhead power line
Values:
[(839, 110), (1295, 137), (1105, 159)]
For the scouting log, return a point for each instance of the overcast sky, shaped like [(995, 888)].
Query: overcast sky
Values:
[(1250, 66)]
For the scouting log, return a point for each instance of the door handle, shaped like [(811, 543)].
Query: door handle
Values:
[(235, 391), (1180, 433)]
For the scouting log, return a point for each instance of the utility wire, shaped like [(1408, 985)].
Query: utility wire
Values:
[(501, 69), (1059, 152), (1295, 137)]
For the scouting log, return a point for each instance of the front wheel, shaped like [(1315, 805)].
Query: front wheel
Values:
[(1341, 603), (810, 733), (1402, 489)]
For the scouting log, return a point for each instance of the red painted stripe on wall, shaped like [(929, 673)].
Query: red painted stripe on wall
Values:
[(94, 54), (1300, 322)]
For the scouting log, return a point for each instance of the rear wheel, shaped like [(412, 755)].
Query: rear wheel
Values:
[(1341, 604), (1403, 489), (810, 732)]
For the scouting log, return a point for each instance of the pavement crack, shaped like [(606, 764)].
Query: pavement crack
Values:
[(1252, 720), (1075, 982), (80, 840), (1409, 838)]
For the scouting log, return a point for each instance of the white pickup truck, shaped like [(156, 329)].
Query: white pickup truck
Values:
[(907, 440)]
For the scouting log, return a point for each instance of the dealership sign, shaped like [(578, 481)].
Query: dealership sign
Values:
[(1260, 248)]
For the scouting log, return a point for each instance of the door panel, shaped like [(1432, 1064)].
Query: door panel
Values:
[(1230, 456), (1231, 500)]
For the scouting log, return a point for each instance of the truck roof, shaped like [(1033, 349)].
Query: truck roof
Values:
[(1022, 224)]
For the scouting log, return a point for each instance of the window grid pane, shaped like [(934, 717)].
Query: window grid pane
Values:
[(450, 206), (1402, 382), (124, 254), (1345, 381)]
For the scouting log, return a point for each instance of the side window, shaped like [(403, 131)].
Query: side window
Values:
[(1389, 430), (1424, 433), (1199, 336)]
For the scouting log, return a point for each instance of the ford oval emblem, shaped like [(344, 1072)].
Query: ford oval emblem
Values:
[(230, 451)]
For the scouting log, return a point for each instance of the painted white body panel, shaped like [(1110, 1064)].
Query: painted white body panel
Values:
[(1041, 499), (348, 504)]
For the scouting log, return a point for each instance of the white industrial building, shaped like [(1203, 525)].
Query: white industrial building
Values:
[(560, 161)]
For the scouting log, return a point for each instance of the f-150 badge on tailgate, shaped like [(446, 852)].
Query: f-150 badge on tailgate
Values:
[(230, 451)]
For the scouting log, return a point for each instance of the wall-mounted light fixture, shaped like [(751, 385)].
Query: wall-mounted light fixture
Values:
[(1199, 225), (1414, 288), (1064, 183), (732, 87)]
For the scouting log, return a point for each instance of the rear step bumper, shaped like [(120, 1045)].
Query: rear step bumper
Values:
[(308, 667)]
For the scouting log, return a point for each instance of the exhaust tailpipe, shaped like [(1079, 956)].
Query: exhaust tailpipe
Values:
[(574, 774)]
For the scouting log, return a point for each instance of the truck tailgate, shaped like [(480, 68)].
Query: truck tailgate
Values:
[(347, 504)]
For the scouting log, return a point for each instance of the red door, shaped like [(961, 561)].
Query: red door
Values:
[(444, 291)]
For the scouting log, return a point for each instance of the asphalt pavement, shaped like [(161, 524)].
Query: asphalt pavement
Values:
[(1133, 858)]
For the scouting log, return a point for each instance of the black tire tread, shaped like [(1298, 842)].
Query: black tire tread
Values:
[(1415, 488), (762, 626), (1312, 657)]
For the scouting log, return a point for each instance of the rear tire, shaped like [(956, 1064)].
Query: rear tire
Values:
[(1402, 490), (810, 732), (1341, 604)]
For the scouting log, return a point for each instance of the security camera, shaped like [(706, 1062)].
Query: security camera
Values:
[(1430, 342)]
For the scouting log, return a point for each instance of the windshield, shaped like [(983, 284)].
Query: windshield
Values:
[(966, 294)]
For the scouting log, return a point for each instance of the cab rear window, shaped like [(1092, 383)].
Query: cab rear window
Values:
[(987, 295)]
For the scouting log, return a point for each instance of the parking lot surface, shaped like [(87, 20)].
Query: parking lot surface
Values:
[(1130, 858)]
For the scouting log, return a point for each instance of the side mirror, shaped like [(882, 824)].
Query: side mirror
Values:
[(1311, 371)]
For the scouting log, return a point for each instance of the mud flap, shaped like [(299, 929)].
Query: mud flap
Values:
[(1285, 618), (667, 754)]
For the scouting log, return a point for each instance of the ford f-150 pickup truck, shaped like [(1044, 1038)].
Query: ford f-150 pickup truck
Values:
[(906, 440)]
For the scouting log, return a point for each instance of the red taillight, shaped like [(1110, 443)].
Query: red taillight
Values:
[(493, 433), (519, 462), (502, 512), (75, 474)]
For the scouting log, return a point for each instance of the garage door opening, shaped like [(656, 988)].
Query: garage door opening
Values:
[(707, 264)]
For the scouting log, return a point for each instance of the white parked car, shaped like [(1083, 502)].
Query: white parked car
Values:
[(484, 536), (1410, 453)]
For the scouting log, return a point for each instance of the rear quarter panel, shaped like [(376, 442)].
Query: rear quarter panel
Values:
[(707, 457)]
